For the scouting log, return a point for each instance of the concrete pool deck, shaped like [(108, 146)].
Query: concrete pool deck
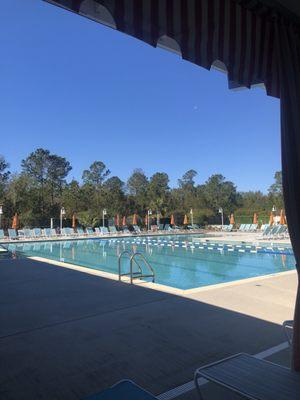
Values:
[(246, 237), (65, 334)]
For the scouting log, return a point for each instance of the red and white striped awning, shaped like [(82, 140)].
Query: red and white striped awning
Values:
[(223, 33)]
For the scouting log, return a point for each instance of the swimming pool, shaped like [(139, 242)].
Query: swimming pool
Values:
[(181, 262)]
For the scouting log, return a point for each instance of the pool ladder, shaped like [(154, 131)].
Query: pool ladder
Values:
[(135, 274)]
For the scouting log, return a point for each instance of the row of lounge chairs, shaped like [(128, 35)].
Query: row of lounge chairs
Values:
[(38, 233), (248, 227), (227, 228), (275, 232)]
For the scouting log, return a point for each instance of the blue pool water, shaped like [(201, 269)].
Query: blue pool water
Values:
[(178, 261)]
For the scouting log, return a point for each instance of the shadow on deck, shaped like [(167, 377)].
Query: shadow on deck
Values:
[(65, 334)]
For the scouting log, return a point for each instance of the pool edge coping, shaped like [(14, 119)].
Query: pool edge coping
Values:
[(158, 286)]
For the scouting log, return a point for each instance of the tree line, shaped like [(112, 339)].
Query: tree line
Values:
[(41, 188)]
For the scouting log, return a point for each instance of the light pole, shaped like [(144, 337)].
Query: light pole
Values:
[(192, 217), (104, 212), (62, 214), (273, 212), (149, 213), (157, 218), (222, 216), (1, 213)]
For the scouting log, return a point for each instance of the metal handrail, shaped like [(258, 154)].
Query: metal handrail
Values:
[(129, 253), (132, 258), (132, 274)]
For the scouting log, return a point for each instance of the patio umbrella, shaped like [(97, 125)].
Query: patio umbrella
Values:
[(271, 220), (185, 221), (255, 218), (15, 222), (74, 221), (172, 222), (124, 221), (282, 218), (146, 220), (117, 220), (134, 219), (231, 219)]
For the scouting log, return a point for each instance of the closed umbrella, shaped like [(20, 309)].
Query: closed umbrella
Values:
[(15, 222), (74, 221), (255, 218), (282, 218), (185, 221), (134, 219), (146, 220), (231, 219), (124, 221), (117, 220), (172, 222), (271, 220)]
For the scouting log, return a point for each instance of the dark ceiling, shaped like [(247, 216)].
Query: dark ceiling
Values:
[(290, 9), (291, 5)]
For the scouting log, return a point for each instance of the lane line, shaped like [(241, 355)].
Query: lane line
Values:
[(187, 387)]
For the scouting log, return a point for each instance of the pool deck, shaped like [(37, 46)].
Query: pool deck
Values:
[(246, 237), (242, 237), (65, 334)]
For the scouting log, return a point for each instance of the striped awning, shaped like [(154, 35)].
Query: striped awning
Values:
[(222, 33)]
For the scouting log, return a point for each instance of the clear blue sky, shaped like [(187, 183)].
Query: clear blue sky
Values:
[(87, 92)]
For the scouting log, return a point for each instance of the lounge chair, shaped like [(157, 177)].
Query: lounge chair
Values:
[(274, 231), (64, 232), (242, 227), (104, 230), (36, 232), (266, 232), (136, 229), (229, 228), (2, 236), (251, 378), (194, 226), (27, 234), (72, 232), (125, 230), (112, 229), (80, 232), (12, 234), (53, 233), (253, 227), (90, 231), (48, 232)]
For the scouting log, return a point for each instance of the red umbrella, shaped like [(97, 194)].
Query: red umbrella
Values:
[(172, 222), (15, 223), (255, 218), (117, 220), (134, 219), (124, 221), (74, 221), (282, 218), (185, 221)]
